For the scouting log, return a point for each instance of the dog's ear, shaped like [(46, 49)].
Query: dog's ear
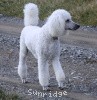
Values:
[(57, 25)]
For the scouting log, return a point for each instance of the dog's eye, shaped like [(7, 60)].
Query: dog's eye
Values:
[(67, 20)]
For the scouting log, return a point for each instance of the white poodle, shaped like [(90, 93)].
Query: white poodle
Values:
[(43, 42)]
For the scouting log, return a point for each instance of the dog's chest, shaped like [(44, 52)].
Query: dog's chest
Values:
[(51, 49)]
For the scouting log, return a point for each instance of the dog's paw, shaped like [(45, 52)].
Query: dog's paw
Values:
[(61, 85), (61, 88), (46, 88), (24, 81)]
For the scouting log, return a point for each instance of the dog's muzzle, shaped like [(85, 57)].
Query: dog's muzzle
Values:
[(76, 27)]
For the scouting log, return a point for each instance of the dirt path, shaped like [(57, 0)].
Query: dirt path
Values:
[(80, 38), (10, 81), (12, 29), (31, 88)]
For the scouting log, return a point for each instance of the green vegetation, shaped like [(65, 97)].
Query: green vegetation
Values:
[(4, 96), (83, 11)]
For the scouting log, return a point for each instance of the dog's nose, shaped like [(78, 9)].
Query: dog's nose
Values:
[(76, 26)]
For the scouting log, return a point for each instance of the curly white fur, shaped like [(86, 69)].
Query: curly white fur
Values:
[(41, 43), (31, 13)]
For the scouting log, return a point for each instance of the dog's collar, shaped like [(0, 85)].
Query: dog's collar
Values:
[(55, 38)]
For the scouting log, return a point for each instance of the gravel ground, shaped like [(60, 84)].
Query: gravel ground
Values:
[(11, 20), (79, 64), (14, 20), (19, 21)]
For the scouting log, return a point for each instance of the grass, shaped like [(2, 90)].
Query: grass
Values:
[(83, 11), (4, 96)]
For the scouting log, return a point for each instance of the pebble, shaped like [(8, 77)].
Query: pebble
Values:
[(75, 52)]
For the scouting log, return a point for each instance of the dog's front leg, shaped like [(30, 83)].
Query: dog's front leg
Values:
[(60, 76), (43, 73)]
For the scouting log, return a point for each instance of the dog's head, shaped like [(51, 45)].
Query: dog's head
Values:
[(70, 25), (60, 21)]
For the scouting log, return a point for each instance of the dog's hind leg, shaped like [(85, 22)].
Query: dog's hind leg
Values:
[(43, 73), (60, 76), (22, 67)]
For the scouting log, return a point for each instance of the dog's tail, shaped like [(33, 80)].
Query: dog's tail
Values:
[(31, 14)]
